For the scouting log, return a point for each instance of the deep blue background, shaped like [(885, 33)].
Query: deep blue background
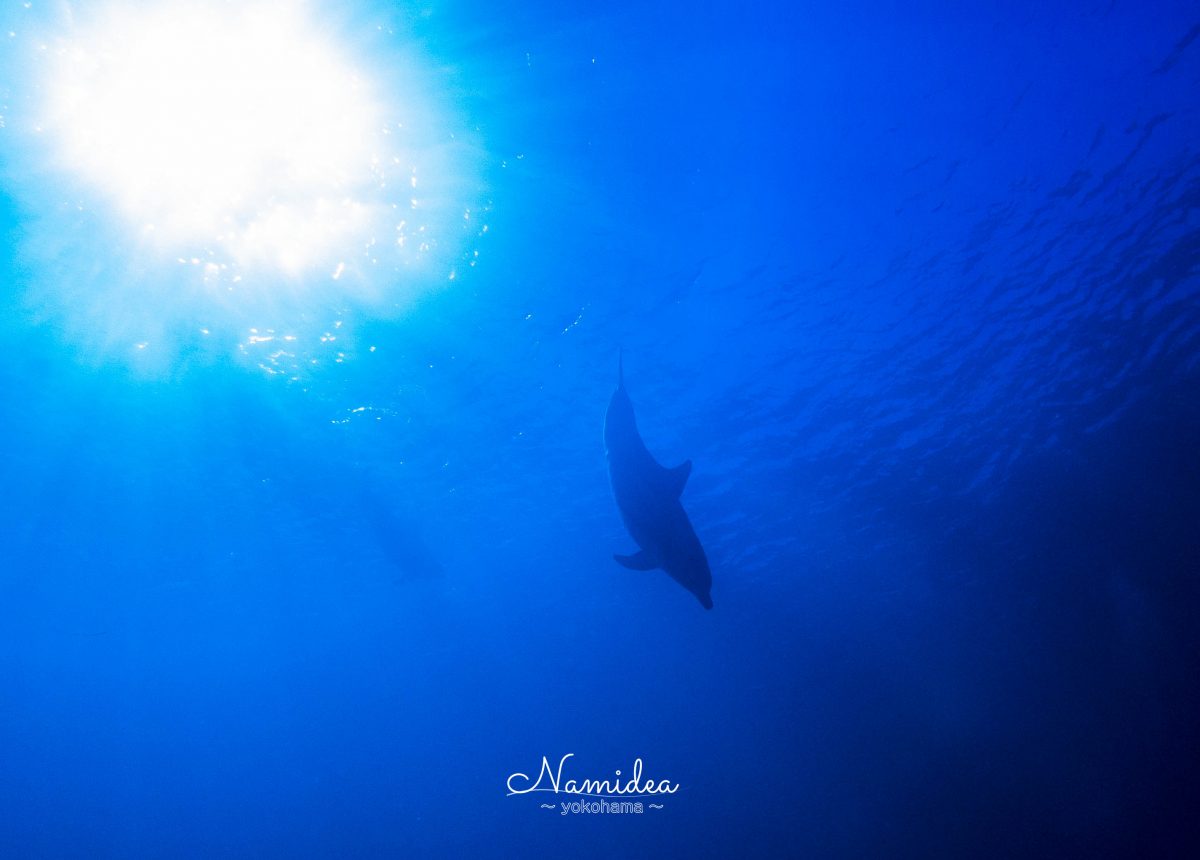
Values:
[(915, 286)]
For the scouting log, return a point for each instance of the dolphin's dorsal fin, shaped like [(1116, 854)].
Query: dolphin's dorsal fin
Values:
[(677, 478)]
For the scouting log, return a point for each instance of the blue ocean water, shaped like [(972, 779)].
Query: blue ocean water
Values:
[(915, 288)]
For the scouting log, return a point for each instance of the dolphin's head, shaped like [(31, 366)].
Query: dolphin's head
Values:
[(692, 572), (703, 586)]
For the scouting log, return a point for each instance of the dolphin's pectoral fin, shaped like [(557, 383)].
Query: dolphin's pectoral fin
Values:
[(638, 561), (677, 478)]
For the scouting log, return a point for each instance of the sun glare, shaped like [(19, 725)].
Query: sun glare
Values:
[(233, 127), (249, 150)]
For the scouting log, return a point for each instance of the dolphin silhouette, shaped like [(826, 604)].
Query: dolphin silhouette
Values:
[(647, 495)]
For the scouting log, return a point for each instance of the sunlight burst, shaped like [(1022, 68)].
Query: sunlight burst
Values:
[(237, 128), (207, 167)]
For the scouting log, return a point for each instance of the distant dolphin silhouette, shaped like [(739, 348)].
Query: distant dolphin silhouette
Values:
[(647, 495)]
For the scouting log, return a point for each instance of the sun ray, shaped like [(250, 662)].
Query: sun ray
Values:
[(223, 165)]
